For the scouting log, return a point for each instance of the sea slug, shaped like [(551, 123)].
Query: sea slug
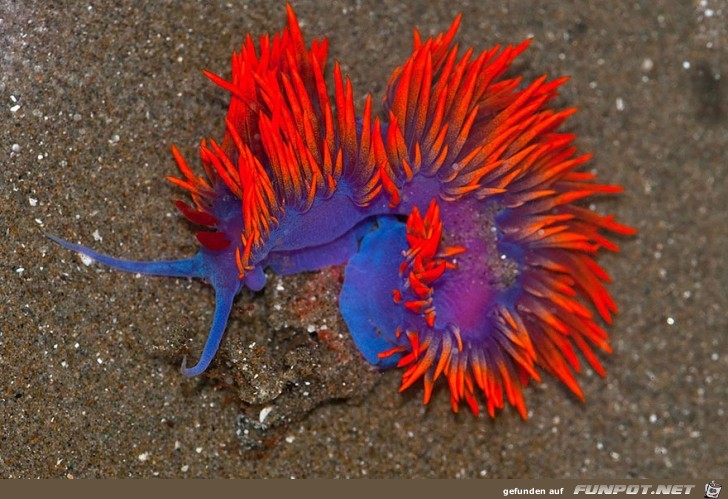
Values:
[(467, 255)]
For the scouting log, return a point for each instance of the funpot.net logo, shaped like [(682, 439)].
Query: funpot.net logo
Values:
[(633, 489)]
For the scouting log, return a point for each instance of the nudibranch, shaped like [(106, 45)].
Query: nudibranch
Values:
[(467, 254)]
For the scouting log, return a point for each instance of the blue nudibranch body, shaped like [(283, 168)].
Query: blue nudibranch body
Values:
[(466, 257)]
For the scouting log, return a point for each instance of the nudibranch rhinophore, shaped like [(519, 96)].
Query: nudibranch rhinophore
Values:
[(455, 213)]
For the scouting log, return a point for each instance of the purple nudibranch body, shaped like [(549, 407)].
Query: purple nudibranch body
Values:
[(468, 256)]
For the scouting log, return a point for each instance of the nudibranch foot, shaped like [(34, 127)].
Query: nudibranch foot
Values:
[(370, 276)]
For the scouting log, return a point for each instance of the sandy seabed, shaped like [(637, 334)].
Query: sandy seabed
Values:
[(92, 96)]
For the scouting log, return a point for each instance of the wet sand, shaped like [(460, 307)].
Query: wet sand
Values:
[(94, 95)]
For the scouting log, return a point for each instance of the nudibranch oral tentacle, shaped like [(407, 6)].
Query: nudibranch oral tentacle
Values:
[(203, 265), (190, 267), (467, 257)]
